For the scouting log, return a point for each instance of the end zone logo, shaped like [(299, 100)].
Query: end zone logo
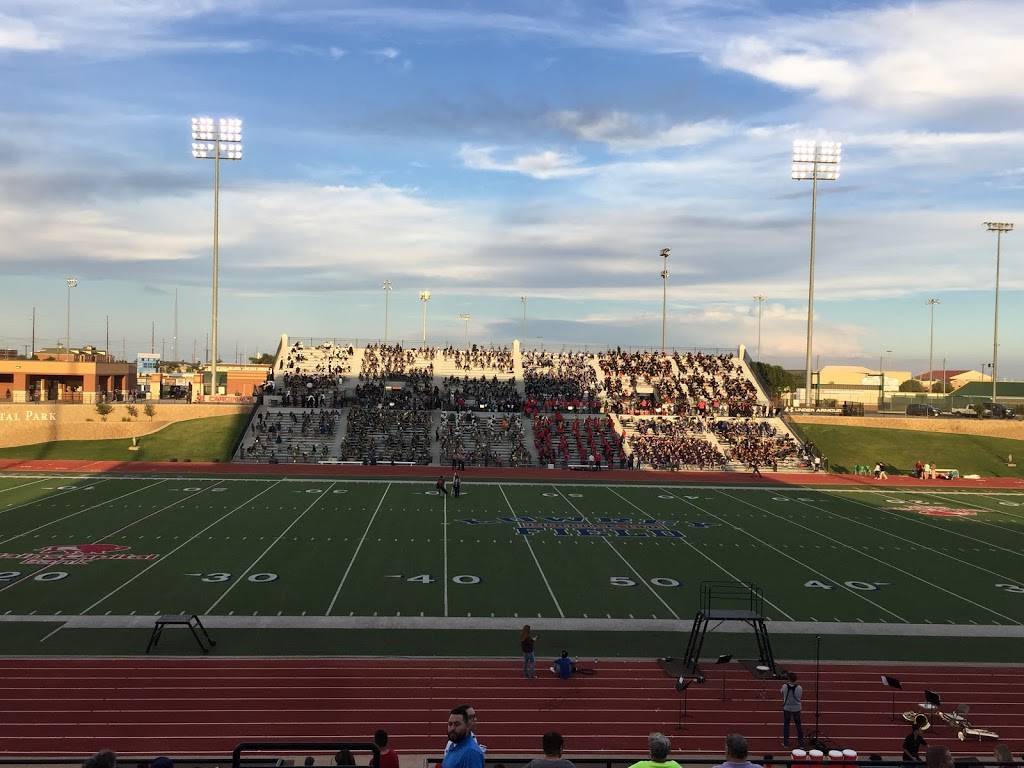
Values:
[(75, 554)]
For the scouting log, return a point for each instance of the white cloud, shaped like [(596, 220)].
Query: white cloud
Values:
[(387, 53), (336, 53), (22, 35), (626, 132), (916, 56), (540, 165)]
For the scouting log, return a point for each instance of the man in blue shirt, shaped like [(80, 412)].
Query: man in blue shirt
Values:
[(464, 751), (564, 666)]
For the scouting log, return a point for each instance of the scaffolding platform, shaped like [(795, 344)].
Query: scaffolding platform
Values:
[(730, 601)]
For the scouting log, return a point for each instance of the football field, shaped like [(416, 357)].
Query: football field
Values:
[(136, 546)]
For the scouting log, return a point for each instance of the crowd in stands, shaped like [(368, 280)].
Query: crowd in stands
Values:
[(309, 390), (377, 435), (588, 440), (673, 444), (481, 394), (564, 381), (477, 357), (327, 358), (413, 396), (288, 437), (755, 443), (472, 439), (393, 361)]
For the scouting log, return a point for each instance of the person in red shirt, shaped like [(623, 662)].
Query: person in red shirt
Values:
[(388, 756)]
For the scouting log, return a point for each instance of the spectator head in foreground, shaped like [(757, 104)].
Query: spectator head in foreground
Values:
[(309, 761), (380, 738), (344, 757), (162, 762), (104, 759), (736, 750), (552, 743), (458, 724), (659, 746), (939, 757)]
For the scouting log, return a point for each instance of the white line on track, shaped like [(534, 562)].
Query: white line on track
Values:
[(623, 559), (187, 541), (839, 583), (706, 557), (263, 554), (872, 557), (529, 546), (355, 554)]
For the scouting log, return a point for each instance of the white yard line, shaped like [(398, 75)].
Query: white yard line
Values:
[(16, 487), (529, 546), (711, 560), (872, 557), (183, 544), (786, 555), (35, 573), (263, 554), (355, 554), (623, 559), (45, 498), (79, 512), (947, 531)]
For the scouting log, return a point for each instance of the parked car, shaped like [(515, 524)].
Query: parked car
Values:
[(966, 412), (996, 411), (921, 409)]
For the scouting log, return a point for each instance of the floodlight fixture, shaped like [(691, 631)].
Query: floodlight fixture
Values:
[(815, 161), (216, 139), (999, 227)]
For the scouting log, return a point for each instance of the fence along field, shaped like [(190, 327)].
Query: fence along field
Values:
[(133, 546)]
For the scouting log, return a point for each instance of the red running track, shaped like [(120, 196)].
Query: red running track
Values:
[(196, 707), (383, 471)]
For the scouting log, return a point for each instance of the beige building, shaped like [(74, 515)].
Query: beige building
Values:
[(859, 376), (956, 377)]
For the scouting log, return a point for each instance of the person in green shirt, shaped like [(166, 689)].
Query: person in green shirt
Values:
[(659, 747)]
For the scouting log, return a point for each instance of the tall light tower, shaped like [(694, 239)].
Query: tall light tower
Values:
[(424, 298), (931, 342), (387, 307), (817, 161), (465, 318), (881, 377), (523, 299), (216, 140), (664, 294), (998, 227), (71, 283), (760, 299)]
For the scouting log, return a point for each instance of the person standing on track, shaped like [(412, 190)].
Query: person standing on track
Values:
[(792, 704), (526, 645)]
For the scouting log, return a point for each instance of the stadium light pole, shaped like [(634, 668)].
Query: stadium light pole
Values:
[(387, 307), (760, 299), (881, 377), (465, 318), (71, 283), (665, 252), (523, 299), (998, 227), (931, 343), (216, 140), (424, 298), (817, 161)]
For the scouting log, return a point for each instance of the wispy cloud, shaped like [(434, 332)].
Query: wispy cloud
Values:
[(625, 132), (387, 53), (548, 164)]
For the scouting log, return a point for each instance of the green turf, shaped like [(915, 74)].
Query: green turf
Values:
[(209, 439), (316, 548), (847, 447)]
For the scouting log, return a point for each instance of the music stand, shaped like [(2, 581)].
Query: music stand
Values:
[(894, 684), (931, 703), (725, 658), (682, 684)]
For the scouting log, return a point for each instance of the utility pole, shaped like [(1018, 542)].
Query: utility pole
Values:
[(523, 299), (174, 345), (931, 343), (152, 337), (163, 352), (33, 333), (193, 349), (207, 348), (107, 347), (124, 349)]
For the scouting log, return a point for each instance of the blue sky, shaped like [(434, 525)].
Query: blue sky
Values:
[(488, 151)]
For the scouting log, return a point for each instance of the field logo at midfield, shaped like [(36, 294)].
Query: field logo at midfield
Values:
[(75, 554), (934, 511), (573, 525)]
